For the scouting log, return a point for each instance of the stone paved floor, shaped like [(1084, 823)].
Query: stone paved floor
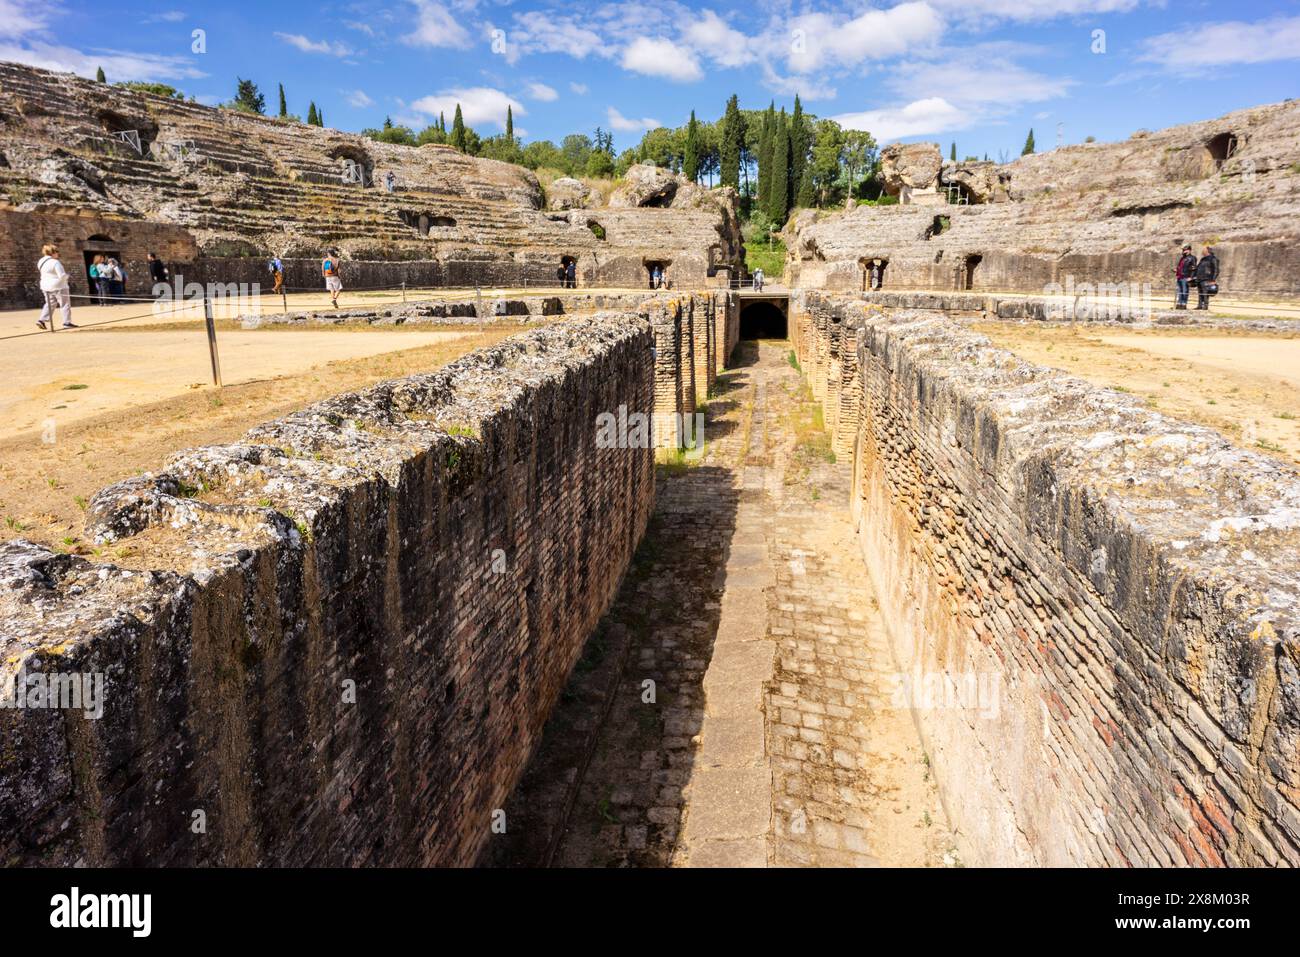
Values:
[(734, 709)]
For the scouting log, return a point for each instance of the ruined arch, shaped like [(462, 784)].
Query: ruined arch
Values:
[(873, 272), (422, 221), (763, 319), (1221, 148), (355, 164), (134, 132)]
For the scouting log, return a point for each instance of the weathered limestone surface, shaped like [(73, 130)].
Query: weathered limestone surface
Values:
[(1095, 212), (220, 190), (1129, 583), (340, 637)]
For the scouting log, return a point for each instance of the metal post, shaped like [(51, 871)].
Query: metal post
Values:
[(212, 341), (284, 298), (478, 306), (403, 290)]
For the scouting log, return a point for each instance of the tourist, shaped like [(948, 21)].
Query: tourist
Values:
[(329, 268), (277, 273), (758, 280), (54, 287), (571, 274), (390, 181), (116, 278), (1183, 274), (1207, 278), (562, 275), (99, 274), (157, 270)]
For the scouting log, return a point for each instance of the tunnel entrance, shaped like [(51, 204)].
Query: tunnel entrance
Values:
[(873, 273), (763, 319)]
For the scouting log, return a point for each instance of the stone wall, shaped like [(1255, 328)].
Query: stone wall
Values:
[(1088, 213), (241, 187), (1093, 606), (339, 638)]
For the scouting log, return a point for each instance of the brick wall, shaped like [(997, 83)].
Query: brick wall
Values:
[(1122, 587), (339, 638)]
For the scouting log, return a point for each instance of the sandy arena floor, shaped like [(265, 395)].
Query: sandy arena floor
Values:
[(1246, 385), (149, 394)]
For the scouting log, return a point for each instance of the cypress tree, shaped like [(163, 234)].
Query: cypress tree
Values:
[(805, 199), (99, 75), (952, 155), (799, 147), (510, 124), (320, 116), (1029, 143), (691, 153), (284, 106), (458, 130), (311, 114), (766, 138), (732, 140), (778, 202)]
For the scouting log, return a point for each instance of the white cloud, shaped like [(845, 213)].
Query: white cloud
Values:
[(986, 12), (622, 124), (360, 27), (977, 76), (662, 58), (479, 104), (300, 42), (118, 65), (709, 35), (918, 118), (819, 40), (540, 31), (436, 26), (21, 17), (540, 91), (357, 98), (579, 88), (1221, 44)]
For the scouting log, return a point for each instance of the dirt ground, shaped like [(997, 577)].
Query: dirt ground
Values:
[(1244, 384), (48, 475)]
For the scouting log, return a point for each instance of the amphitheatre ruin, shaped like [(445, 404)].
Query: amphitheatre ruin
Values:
[(955, 545)]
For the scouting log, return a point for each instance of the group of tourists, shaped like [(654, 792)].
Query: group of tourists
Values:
[(656, 276), (566, 274), (107, 279), (1202, 273)]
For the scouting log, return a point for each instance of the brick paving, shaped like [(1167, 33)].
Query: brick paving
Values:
[(766, 738)]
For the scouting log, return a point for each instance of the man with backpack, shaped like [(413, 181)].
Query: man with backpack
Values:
[(1184, 272), (1207, 278), (54, 287), (277, 273), (329, 268)]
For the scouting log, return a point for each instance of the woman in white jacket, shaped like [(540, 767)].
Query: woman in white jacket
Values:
[(54, 285)]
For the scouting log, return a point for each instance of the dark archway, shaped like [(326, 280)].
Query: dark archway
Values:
[(873, 273), (763, 319), (968, 270), (1221, 149)]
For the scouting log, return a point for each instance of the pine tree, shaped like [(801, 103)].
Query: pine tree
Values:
[(1029, 143), (799, 146), (311, 114), (248, 97), (778, 201), (731, 142), (99, 75), (952, 154), (458, 130), (284, 106), (691, 152)]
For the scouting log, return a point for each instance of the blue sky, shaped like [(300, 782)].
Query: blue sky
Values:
[(980, 72)]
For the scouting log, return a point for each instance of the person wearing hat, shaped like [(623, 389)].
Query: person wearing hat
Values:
[(1183, 274)]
